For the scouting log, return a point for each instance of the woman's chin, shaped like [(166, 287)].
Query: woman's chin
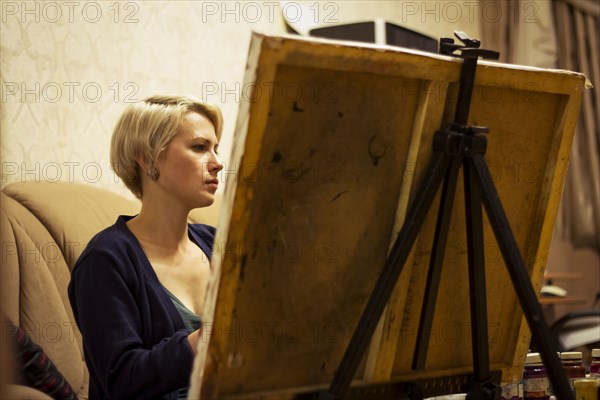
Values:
[(207, 200)]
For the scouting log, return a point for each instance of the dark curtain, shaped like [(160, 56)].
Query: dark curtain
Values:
[(560, 34), (577, 30)]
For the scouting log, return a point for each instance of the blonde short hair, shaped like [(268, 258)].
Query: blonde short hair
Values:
[(146, 128)]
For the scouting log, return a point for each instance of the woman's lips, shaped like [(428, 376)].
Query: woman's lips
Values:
[(213, 184)]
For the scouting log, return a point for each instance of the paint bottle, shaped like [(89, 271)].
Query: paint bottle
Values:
[(572, 362), (595, 365), (586, 389), (535, 380)]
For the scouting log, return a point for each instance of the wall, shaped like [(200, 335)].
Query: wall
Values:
[(66, 80), (433, 18), (69, 68)]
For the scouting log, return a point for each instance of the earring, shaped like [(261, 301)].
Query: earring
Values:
[(153, 173)]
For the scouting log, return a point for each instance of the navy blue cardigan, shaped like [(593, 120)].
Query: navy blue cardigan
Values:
[(134, 340)]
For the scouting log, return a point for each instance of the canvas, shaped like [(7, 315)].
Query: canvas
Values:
[(331, 141)]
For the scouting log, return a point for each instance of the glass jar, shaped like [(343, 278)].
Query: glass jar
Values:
[(586, 389), (572, 362), (595, 365), (535, 380)]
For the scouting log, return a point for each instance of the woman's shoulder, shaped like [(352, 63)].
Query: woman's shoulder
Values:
[(113, 241)]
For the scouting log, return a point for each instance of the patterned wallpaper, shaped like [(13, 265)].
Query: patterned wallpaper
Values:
[(68, 69)]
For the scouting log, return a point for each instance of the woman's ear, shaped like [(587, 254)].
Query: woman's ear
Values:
[(148, 168)]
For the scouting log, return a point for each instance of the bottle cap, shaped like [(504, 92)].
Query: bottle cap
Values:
[(596, 353), (571, 355), (533, 358)]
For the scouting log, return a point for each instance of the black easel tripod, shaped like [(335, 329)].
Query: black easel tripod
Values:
[(458, 145)]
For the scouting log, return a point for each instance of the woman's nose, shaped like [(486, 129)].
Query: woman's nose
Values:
[(215, 165)]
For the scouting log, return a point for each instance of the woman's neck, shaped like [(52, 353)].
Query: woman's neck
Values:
[(162, 226)]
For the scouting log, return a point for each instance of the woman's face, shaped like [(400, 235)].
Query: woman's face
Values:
[(189, 165)]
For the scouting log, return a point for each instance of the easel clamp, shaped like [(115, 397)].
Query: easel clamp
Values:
[(459, 140)]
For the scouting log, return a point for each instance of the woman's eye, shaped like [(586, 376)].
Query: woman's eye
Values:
[(199, 147)]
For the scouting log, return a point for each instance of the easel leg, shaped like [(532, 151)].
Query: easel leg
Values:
[(436, 262), (482, 387), (520, 278)]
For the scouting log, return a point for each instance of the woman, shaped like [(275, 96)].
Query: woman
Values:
[(138, 288)]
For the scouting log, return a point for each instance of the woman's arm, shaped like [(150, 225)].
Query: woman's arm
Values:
[(193, 339), (115, 329)]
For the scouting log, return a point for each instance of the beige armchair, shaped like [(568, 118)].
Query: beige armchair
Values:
[(44, 228)]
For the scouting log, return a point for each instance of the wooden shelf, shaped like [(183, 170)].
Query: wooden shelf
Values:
[(562, 275), (562, 300)]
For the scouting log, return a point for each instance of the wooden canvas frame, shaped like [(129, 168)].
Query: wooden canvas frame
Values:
[(330, 142)]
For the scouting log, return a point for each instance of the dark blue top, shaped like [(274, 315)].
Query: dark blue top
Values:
[(134, 340)]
